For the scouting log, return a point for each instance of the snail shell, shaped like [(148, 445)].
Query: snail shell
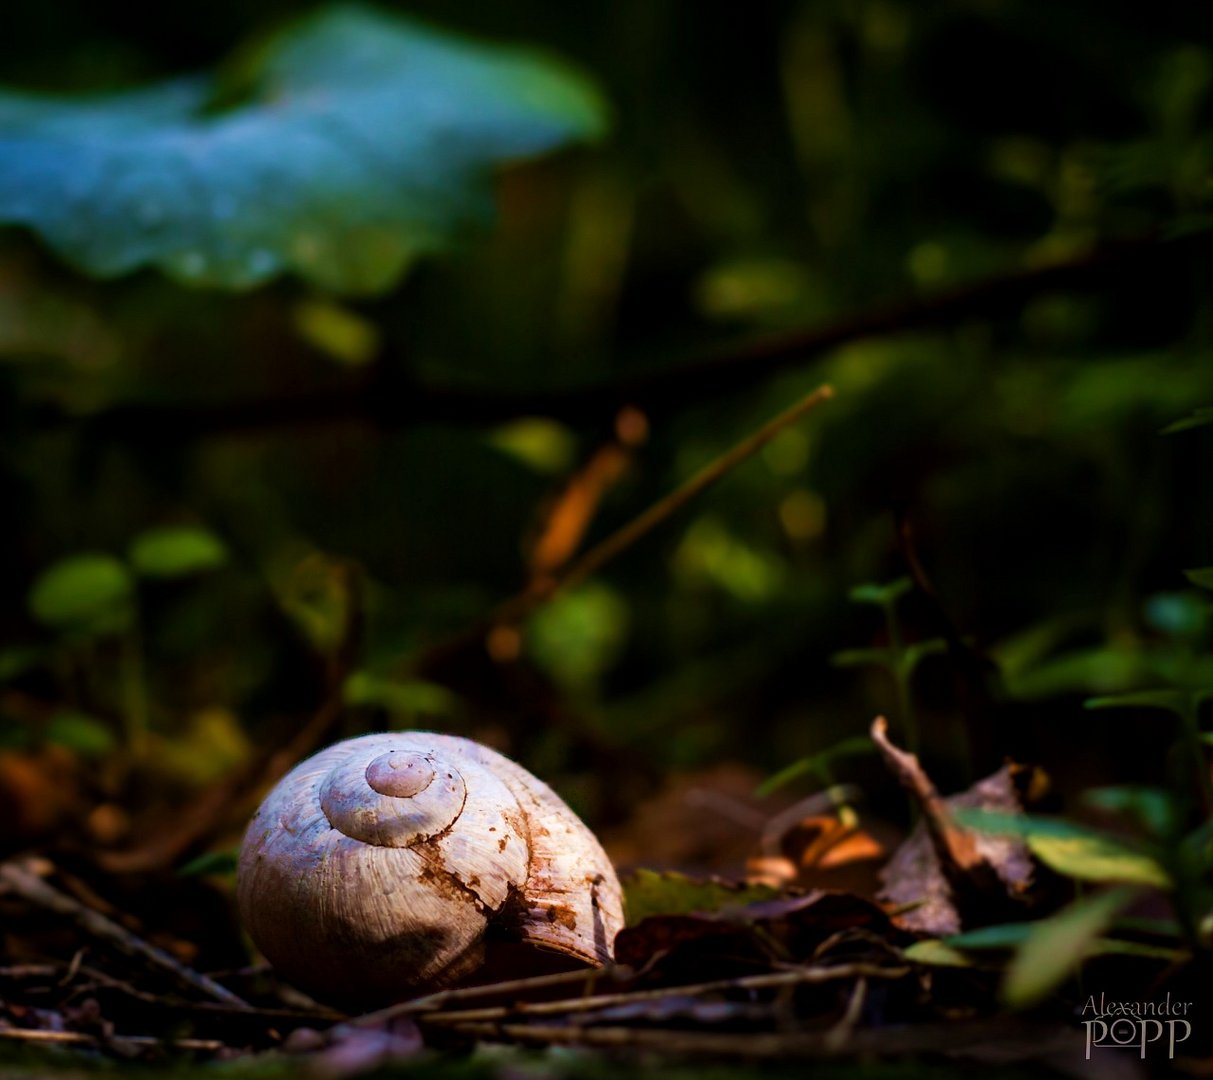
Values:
[(378, 867)]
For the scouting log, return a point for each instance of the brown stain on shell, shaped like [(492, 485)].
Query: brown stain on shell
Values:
[(563, 915), (435, 874)]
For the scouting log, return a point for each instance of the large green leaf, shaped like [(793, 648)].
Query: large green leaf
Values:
[(361, 141), (1071, 849), (1057, 945), (988, 942)]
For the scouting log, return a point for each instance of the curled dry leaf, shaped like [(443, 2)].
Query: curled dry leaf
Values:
[(821, 851), (945, 877), (569, 515)]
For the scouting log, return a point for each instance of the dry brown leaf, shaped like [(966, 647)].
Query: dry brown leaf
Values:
[(571, 513), (565, 520), (822, 851), (945, 877)]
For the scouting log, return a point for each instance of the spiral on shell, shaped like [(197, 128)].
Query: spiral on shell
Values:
[(380, 866)]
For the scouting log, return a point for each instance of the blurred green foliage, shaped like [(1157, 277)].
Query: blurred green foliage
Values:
[(341, 149), (213, 498), (84, 594)]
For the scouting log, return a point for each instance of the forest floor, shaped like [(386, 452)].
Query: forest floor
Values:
[(712, 977)]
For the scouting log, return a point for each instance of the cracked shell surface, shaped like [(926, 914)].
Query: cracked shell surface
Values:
[(375, 868)]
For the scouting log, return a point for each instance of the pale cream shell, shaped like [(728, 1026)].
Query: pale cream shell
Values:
[(403, 905)]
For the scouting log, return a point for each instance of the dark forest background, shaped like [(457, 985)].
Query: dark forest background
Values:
[(341, 490)]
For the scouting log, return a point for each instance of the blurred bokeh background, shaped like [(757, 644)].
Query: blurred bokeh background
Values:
[(228, 514)]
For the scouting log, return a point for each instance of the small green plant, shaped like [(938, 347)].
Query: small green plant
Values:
[(899, 659), (1160, 854), (90, 604), (1166, 845)]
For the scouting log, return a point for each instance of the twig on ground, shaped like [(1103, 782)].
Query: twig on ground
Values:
[(100, 980), (30, 887), (512, 988), (1035, 1041), (76, 1038), (840, 1034), (29, 971), (798, 977), (73, 967)]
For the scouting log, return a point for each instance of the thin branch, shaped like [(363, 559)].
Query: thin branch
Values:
[(1038, 1041), (31, 888), (797, 977), (391, 401), (75, 1038), (93, 980), (593, 560), (840, 1034), (511, 988), (738, 366)]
